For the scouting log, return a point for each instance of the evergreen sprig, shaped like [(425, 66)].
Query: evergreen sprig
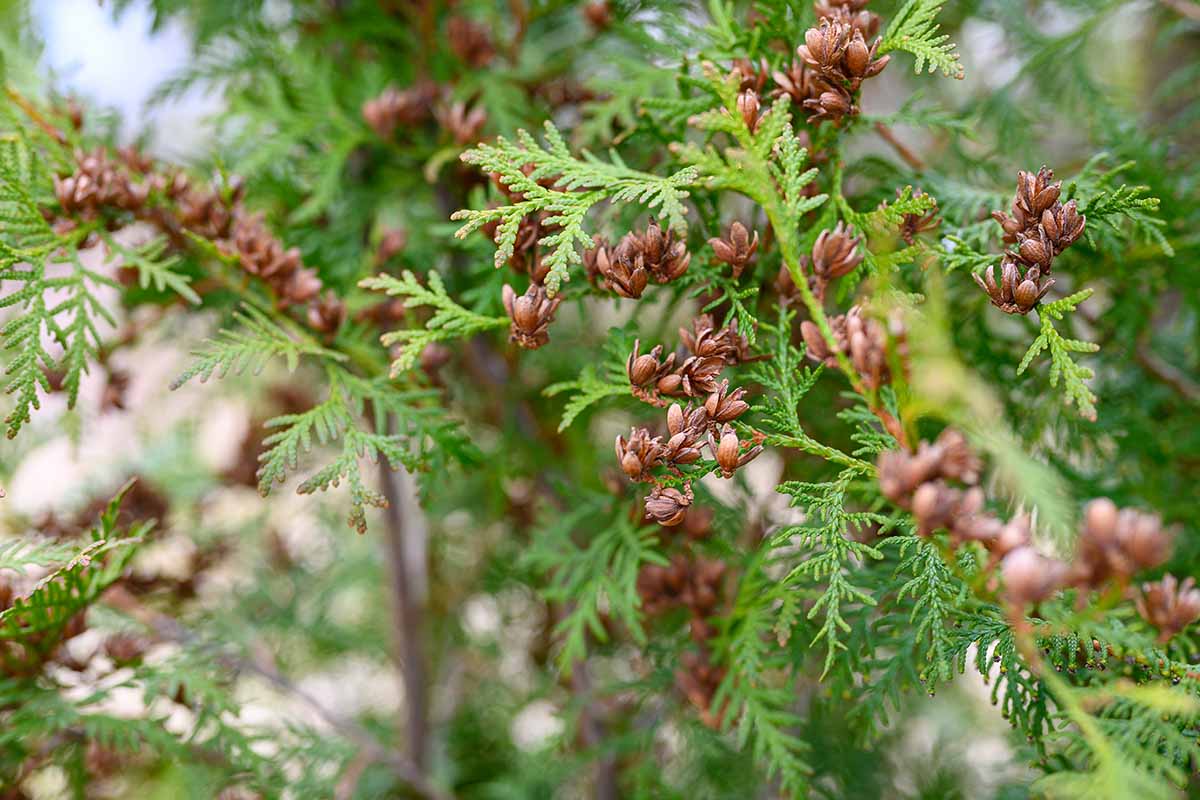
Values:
[(563, 202), (1063, 367), (915, 29), (258, 339), (449, 320)]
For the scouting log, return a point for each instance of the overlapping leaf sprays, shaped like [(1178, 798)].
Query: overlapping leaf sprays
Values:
[(1113, 544)]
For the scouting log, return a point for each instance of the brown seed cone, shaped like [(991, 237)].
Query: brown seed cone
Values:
[(531, 315), (640, 454), (728, 451), (1015, 293), (663, 256), (668, 506), (725, 406), (799, 83), (325, 314), (750, 75), (698, 679), (643, 369), (598, 14), (914, 224), (470, 41), (622, 269), (825, 46), (849, 13), (1169, 605), (697, 376), (393, 108), (748, 106), (833, 103), (1030, 577), (461, 123), (834, 254), (737, 250)]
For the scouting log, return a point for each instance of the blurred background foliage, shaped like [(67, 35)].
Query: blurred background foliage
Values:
[(275, 622)]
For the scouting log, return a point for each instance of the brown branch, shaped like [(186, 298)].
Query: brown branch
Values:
[(406, 535), (35, 115), (1166, 373), (902, 150), (1186, 8)]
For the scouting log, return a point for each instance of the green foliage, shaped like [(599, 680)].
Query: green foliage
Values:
[(566, 207), (449, 320), (830, 534), (598, 577), (339, 419), (914, 29), (1074, 377), (32, 627), (1109, 208), (50, 305), (587, 391), (759, 710), (256, 341), (833, 624)]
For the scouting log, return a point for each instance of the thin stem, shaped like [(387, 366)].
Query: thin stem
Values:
[(1167, 374), (33, 114), (902, 150), (405, 537)]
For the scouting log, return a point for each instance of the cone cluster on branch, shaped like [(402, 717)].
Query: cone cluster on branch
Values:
[(834, 61), (696, 585), (628, 267), (103, 187), (737, 249), (471, 41), (1042, 228), (98, 183), (1169, 605), (653, 377), (939, 485), (864, 340), (689, 430), (835, 254)]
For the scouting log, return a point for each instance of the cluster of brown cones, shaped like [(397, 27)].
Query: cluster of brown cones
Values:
[(1041, 227), (939, 485), (712, 348), (695, 584), (865, 340), (628, 267), (395, 109), (690, 429), (830, 67), (104, 187)]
